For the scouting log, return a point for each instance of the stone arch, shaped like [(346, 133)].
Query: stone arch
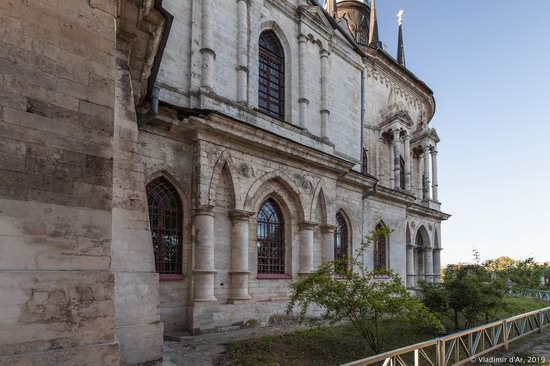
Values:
[(319, 197), (423, 233), (225, 165), (173, 181), (255, 193), (349, 231), (288, 56)]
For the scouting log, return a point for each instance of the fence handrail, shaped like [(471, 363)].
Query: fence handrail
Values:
[(495, 334)]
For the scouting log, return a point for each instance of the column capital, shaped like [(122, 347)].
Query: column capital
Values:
[(411, 246), (241, 215), (433, 151), (206, 210), (308, 225), (327, 229), (437, 250), (324, 53), (302, 38)]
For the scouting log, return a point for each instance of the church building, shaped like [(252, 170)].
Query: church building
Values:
[(169, 166)]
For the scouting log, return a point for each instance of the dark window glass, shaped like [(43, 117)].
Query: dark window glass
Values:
[(380, 250), (365, 167), (271, 75), (165, 218), (341, 245), (270, 235)]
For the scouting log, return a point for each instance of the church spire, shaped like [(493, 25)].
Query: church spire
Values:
[(400, 45), (331, 6), (374, 41)]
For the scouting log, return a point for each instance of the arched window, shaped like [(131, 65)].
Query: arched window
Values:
[(166, 219), (419, 242), (365, 167), (271, 89), (401, 172), (270, 235), (380, 251), (341, 238)]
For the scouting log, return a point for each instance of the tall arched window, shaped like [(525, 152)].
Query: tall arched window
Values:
[(341, 238), (270, 235), (380, 251), (401, 172), (271, 89), (419, 242), (166, 219)]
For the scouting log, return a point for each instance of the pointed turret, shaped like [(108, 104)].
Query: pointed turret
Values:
[(374, 41), (400, 45), (331, 6)]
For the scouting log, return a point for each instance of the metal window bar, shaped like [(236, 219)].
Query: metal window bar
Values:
[(270, 236)]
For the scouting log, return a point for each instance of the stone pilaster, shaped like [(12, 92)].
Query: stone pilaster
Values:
[(328, 242), (428, 264), (380, 161), (207, 46), (435, 190), (407, 158), (410, 266), (242, 53), (303, 101), (239, 256), (426, 173), (325, 113), (392, 164), (204, 271), (306, 247)]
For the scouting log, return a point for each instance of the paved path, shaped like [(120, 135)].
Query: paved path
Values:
[(202, 350)]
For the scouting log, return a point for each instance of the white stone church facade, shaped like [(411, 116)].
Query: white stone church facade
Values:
[(250, 141)]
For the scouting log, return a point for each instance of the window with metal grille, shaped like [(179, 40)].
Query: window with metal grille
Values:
[(341, 238), (166, 219), (270, 236), (365, 165), (271, 87), (380, 250), (401, 172)]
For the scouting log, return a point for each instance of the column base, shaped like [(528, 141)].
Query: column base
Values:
[(240, 300)]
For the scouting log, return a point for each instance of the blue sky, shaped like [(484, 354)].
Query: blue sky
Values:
[(488, 62)]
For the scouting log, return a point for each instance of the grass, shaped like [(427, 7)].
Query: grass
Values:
[(334, 345)]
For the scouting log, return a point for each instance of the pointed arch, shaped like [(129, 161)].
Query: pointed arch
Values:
[(168, 174), (342, 236), (225, 165), (255, 192), (423, 237), (319, 196)]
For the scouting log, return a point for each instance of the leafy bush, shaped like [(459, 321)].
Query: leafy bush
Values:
[(349, 291)]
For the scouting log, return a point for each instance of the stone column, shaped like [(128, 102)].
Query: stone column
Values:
[(207, 48), (242, 53), (325, 113), (303, 101), (328, 242), (204, 271), (396, 158), (407, 157), (435, 193), (437, 264), (392, 164), (426, 173), (410, 266), (428, 264), (306, 247), (419, 179), (239, 256), (380, 161)]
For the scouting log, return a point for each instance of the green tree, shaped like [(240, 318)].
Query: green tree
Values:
[(349, 291)]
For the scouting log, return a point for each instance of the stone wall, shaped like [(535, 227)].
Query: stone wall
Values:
[(57, 80)]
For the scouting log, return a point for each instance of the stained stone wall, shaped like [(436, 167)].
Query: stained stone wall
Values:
[(57, 77)]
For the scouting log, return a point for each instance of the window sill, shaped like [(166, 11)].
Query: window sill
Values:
[(274, 276), (171, 277)]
